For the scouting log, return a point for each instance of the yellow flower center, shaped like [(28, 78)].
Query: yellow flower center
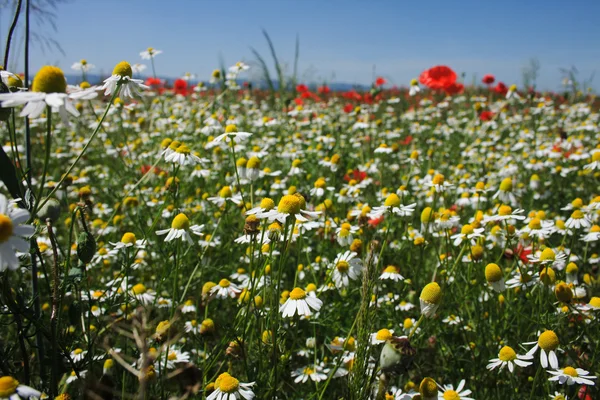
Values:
[(535, 223), (392, 200), (253, 163), (8, 386), (139, 289), (228, 384), (467, 229), (438, 179), (426, 215), (128, 238), (504, 210), (289, 204), (343, 266), (123, 69), (224, 283), (577, 214), (451, 395), (506, 185), (49, 80), (563, 293), (172, 356), (431, 293), (596, 156), (391, 269), (77, 351), (548, 341), (428, 388), (571, 372), (547, 255), (297, 294), (183, 149), (231, 128), (383, 334), (507, 354), (408, 323), (180, 221), (225, 192), (85, 85), (493, 273), (572, 268), (6, 228), (320, 183), (595, 302), (267, 204)]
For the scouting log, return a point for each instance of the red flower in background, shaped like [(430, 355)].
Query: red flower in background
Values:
[(488, 79), (407, 140), (153, 82), (501, 89), (486, 115), (324, 89), (357, 175), (380, 81), (438, 77), (454, 88), (180, 86), (302, 88), (348, 108)]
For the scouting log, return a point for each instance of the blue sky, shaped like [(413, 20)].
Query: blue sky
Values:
[(340, 40)]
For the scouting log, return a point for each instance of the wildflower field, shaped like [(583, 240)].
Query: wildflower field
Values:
[(216, 240)]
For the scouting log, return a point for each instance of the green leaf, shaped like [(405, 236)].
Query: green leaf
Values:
[(8, 175)]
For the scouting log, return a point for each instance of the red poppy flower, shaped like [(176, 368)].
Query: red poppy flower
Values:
[(153, 82), (438, 77), (357, 175), (523, 252), (488, 79), (584, 393), (302, 88), (407, 140), (298, 101), (486, 115), (501, 89), (324, 89), (376, 221), (180, 86), (454, 88), (380, 81), (348, 108)]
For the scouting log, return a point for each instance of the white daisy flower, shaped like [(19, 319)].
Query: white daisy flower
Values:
[(346, 267), (548, 344), (229, 388), (121, 81), (149, 53), (315, 373), (448, 392), (298, 302), (571, 376), (12, 229), (508, 357), (82, 66), (179, 229), (225, 289), (13, 390)]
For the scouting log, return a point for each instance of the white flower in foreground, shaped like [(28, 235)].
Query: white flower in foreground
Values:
[(229, 388), (301, 303), (548, 344), (571, 376), (122, 81), (232, 133), (11, 389), (49, 88), (11, 230), (346, 267)]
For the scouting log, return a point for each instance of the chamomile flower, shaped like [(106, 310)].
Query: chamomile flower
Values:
[(82, 66), (49, 89), (11, 389), (494, 277), (225, 289), (182, 155), (448, 392), (467, 232), (392, 273), (505, 213), (345, 234), (143, 294), (122, 82), (229, 388), (176, 356), (414, 88), (393, 203), (149, 53), (346, 267), (12, 231), (179, 229), (430, 298), (571, 376), (315, 373), (595, 161), (578, 220), (505, 192), (291, 205), (129, 240), (232, 133), (381, 336), (593, 235), (507, 357), (298, 302), (548, 344)]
